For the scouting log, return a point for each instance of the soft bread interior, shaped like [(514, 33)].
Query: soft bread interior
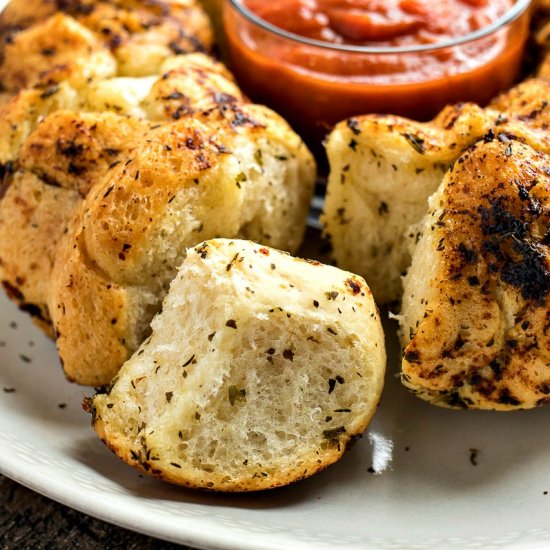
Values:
[(260, 369)]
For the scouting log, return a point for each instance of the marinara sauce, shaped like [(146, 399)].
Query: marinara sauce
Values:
[(380, 22), (316, 86)]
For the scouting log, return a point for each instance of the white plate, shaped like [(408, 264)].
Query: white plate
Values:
[(432, 496)]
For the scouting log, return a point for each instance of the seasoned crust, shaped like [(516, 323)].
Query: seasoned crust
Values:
[(27, 60), (51, 41), (476, 309), (74, 151), (190, 121), (260, 371), (191, 88), (186, 85), (185, 182), (31, 212), (55, 168), (384, 168)]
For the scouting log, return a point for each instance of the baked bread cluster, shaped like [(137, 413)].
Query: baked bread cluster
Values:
[(48, 41), (229, 365), (461, 206), (261, 369), (107, 181), (384, 168), (117, 158)]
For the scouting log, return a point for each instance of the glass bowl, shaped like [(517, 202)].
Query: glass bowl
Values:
[(316, 84)]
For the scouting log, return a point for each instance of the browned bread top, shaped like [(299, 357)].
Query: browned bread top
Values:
[(49, 41), (476, 308)]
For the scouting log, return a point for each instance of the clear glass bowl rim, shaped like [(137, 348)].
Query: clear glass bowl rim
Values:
[(519, 7)]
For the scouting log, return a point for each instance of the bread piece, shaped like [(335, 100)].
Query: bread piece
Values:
[(186, 85), (252, 178), (79, 41), (53, 154), (65, 156), (384, 168), (476, 308), (260, 370)]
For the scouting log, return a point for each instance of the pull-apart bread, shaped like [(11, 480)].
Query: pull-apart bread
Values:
[(476, 309), (384, 168), (186, 181), (47, 41), (106, 182), (260, 370)]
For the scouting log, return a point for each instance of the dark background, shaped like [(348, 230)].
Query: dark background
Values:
[(31, 521)]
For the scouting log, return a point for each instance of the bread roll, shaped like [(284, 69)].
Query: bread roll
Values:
[(475, 318), (159, 163), (48, 42), (260, 370), (185, 182), (384, 168), (55, 146)]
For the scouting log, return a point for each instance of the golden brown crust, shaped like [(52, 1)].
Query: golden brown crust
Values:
[(20, 115), (56, 167), (179, 186), (81, 54), (35, 214), (481, 335), (82, 39), (75, 151), (214, 481), (525, 113), (90, 317), (176, 157), (191, 88)]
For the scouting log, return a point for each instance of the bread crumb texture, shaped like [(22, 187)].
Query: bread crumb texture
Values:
[(261, 369)]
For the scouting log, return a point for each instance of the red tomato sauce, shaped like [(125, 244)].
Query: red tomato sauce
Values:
[(380, 22), (315, 87)]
